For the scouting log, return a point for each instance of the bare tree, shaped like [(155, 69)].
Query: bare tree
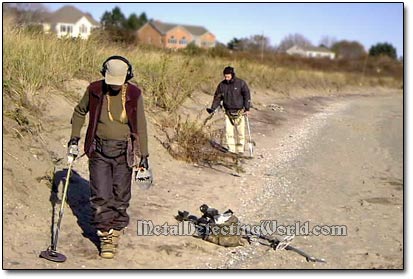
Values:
[(257, 42), (348, 50), (327, 41), (27, 13), (293, 39)]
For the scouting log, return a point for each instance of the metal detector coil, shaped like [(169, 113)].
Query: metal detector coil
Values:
[(53, 255)]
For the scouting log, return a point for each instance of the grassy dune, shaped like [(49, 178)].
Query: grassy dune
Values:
[(32, 62)]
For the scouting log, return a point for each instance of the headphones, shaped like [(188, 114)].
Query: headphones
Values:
[(129, 74)]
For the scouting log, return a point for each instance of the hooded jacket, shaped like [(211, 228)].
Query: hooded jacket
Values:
[(234, 94)]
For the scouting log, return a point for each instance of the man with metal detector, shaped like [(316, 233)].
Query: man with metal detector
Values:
[(234, 93), (116, 139)]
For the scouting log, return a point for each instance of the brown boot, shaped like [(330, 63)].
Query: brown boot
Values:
[(115, 238), (106, 244)]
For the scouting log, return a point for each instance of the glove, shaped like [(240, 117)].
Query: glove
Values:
[(210, 110), (73, 148), (73, 141), (144, 162)]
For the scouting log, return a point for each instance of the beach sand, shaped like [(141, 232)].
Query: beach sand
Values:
[(323, 161)]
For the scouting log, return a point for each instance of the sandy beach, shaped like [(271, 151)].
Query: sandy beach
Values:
[(322, 161)]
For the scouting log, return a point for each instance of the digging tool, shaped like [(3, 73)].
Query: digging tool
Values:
[(51, 253), (142, 177), (250, 144)]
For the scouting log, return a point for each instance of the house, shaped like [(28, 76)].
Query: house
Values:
[(68, 21), (169, 35), (311, 52)]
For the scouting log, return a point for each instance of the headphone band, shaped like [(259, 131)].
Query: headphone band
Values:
[(118, 57)]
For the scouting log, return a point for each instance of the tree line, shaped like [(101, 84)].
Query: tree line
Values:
[(124, 29), (117, 27), (343, 49)]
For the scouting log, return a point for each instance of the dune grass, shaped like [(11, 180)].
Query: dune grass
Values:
[(35, 61), (32, 61)]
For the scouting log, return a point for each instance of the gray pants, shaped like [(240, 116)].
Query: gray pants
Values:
[(110, 184)]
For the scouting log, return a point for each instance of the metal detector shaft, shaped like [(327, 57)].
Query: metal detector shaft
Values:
[(304, 254), (62, 206), (210, 116), (275, 242)]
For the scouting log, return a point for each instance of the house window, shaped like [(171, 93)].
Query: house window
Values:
[(83, 29), (183, 41), (66, 28), (172, 40)]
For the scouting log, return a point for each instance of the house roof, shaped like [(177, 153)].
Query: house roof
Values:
[(163, 27), (70, 14)]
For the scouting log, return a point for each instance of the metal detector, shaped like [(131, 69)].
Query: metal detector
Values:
[(51, 253)]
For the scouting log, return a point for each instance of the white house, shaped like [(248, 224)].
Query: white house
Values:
[(68, 21), (311, 52)]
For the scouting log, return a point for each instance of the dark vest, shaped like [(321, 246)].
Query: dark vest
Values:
[(95, 90)]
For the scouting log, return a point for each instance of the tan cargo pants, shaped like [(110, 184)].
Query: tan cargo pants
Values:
[(235, 134)]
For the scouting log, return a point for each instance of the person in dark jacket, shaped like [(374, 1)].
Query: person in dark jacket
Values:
[(235, 96), (116, 139)]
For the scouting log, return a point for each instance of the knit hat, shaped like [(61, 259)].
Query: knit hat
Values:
[(229, 70)]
